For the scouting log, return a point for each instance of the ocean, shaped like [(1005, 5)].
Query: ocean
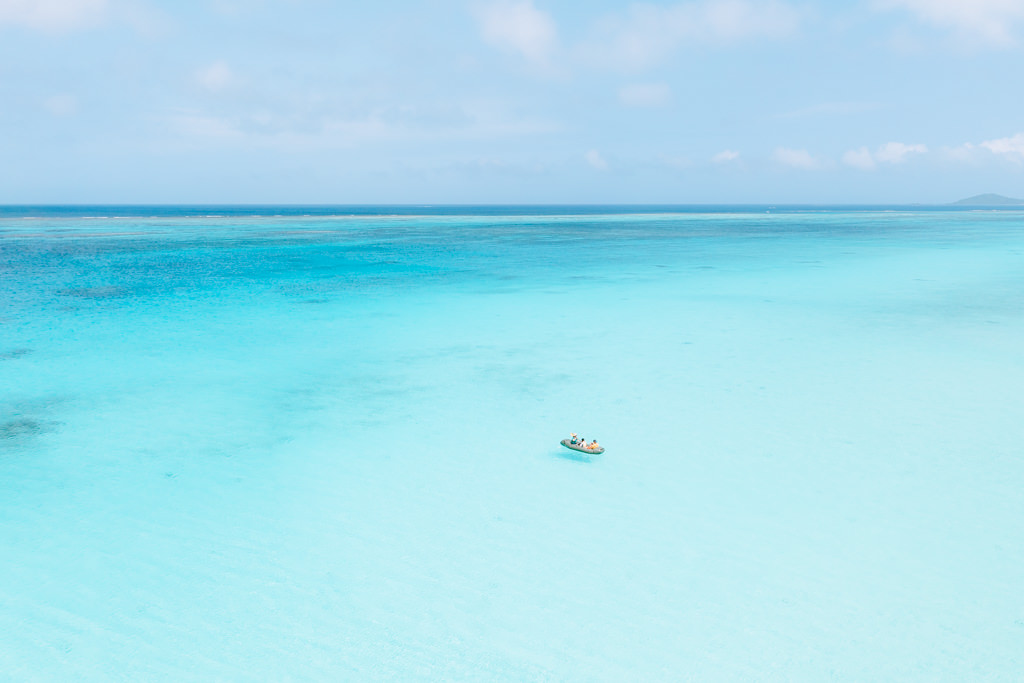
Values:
[(290, 443)]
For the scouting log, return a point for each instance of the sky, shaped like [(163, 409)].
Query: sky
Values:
[(510, 101)]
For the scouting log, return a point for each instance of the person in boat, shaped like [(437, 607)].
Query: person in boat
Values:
[(573, 440), (593, 445)]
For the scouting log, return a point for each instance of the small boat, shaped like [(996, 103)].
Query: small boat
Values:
[(581, 448)]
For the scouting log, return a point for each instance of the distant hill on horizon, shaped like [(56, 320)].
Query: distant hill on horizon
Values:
[(990, 199)]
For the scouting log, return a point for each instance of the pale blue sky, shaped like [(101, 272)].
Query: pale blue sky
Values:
[(310, 101)]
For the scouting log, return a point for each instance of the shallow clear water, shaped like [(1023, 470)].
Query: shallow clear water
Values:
[(237, 444)]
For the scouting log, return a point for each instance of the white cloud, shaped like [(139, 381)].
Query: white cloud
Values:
[(53, 15), (648, 34), (520, 27), (61, 105), (796, 158), (725, 156), (889, 153), (594, 158), (645, 94), (988, 21), (897, 152), (214, 77), (1012, 147)]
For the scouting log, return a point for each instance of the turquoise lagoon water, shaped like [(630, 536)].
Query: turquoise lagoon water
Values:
[(323, 443)]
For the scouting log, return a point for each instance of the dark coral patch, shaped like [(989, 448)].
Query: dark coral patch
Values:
[(20, 427)]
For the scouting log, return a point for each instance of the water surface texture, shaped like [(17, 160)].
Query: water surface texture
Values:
[(324, 443)]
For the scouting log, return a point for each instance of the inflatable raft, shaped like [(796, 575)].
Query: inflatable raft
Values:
[(582, 449)]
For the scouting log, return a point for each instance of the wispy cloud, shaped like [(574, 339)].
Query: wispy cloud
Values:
[(61, 105), (897, 152), (195, 125), (648, 34), (645, 94), (796, 158), (594, 158), (965, 153), (676, 162), (642, 37), (518, 26), (725, 156), (53, 15), (214, 77), (294, 129), (982, 22), (831, 109), (67, 16), (859, 158)]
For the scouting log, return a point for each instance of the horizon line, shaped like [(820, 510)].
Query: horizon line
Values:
[(496, 204)]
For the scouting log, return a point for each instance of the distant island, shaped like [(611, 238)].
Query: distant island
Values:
[(990, 200)]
